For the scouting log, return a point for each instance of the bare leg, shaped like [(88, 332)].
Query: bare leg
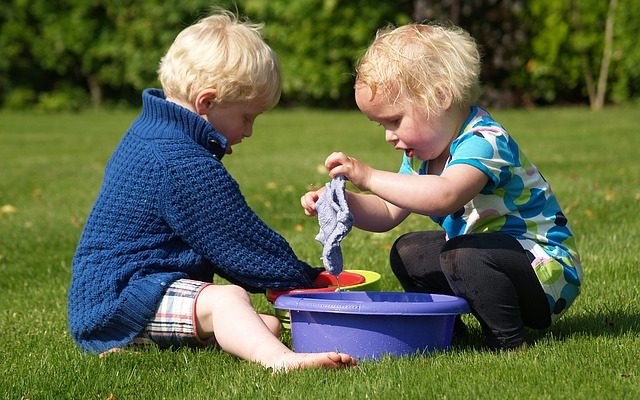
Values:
[(272, 323), (225, 311)]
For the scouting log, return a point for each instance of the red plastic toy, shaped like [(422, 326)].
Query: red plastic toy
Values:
[(325, 282)]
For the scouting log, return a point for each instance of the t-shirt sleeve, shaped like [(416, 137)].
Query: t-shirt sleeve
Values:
[(205, 207), (409, 165), (490, 152), (405, 167)]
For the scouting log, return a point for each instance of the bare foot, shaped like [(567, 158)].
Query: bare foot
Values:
[(110, 351), (331, 360)]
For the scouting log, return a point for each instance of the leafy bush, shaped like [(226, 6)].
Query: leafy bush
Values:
[(67, 99), (535, 52), (20, 98)]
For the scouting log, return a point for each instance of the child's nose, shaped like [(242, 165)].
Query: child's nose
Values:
[(390, 136)]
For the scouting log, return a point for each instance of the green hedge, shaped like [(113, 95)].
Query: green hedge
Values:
[(71, 53)]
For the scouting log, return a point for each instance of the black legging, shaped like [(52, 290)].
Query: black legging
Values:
[(490, 270)]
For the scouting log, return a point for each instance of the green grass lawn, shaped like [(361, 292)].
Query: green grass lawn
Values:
[(50, 172)]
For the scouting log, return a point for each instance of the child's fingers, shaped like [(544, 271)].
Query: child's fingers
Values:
[(336, 159), (308, 202), (310, 213), (339, 163)]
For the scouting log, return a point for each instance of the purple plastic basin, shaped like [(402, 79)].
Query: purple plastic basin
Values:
[(369, 325)]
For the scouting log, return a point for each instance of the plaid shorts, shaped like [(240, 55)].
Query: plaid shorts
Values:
[(174, 323)]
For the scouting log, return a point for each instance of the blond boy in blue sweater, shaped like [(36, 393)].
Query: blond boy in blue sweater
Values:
[(169, 215)]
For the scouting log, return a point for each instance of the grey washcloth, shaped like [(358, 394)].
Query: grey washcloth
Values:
[(335, 223)]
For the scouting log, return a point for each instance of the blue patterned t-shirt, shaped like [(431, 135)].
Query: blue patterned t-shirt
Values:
[(517, 201)]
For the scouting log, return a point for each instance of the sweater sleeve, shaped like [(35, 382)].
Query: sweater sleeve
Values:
[(204, 206)]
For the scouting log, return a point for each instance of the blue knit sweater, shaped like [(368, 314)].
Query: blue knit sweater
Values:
[(168, 209)]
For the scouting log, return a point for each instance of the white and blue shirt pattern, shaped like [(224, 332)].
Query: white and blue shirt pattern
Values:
[(517, 201)]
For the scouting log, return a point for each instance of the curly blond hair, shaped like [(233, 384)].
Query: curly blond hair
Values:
[(428, 65), (220, 52)]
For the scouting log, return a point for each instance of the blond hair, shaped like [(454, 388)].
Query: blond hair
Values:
[(222, 53), (427, 65)]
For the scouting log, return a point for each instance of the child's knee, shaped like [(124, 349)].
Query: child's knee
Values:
[(218, 295), (235, 293), (395, 260), (399, 252)]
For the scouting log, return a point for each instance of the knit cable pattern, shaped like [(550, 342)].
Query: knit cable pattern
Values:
[(168, 209)]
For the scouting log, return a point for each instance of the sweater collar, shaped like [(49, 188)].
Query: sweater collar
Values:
[(167, 116)]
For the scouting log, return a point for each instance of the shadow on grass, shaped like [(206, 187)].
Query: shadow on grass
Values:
[(610, 324)]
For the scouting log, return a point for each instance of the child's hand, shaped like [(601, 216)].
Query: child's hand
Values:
[(355, 171), (308, 202)]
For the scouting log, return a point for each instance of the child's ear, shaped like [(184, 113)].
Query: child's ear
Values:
[(205, 100), (445, 96)]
